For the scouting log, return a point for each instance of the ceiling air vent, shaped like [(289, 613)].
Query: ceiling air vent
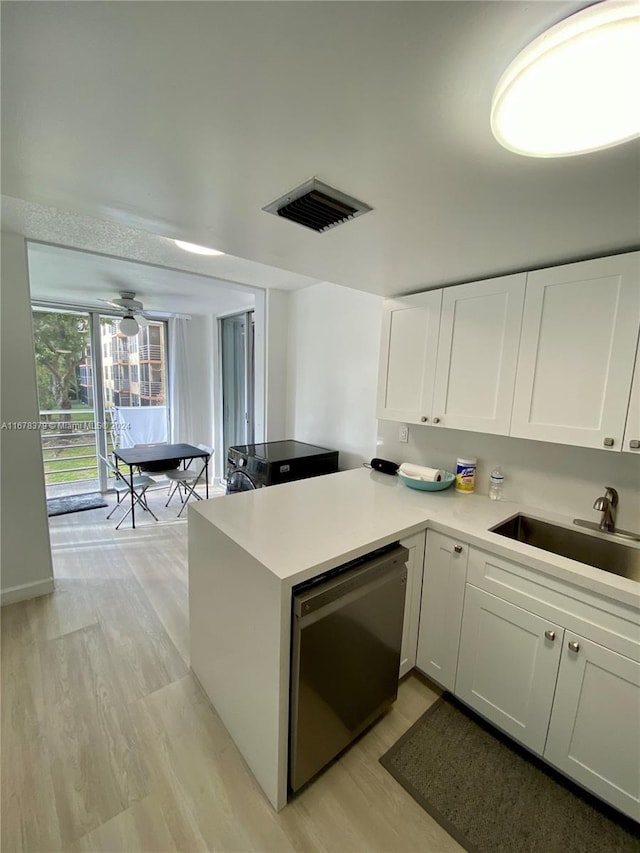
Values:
[(317, 206)]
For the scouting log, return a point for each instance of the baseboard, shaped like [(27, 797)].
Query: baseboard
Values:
[(25, 591)]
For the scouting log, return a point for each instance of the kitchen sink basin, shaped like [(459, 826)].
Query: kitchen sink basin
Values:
[(595, 551)]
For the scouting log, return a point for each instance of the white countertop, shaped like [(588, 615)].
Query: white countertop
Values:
[(298, 530)]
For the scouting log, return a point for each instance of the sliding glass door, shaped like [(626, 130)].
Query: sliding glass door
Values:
[(98, 390), (64, 358), (237, 366)]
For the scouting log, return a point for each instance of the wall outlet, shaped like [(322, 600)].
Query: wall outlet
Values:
[(403, 434)]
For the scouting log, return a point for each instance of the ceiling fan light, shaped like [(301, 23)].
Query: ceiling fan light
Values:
[(129, 326), (574, 89), (195, 249)]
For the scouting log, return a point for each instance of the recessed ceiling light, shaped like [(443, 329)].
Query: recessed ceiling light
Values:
[(576, 88), (197, 250)]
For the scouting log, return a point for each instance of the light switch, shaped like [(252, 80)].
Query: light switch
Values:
[(403, 434)]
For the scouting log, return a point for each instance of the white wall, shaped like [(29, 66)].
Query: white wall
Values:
[(201, 367), (260, 348), (554, 476), (26, 568), (276, 356), (334, 343), (333, 363)]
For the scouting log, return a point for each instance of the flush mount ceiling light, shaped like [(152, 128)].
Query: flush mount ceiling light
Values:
[(129, 326), (576, 88), (197, 250)]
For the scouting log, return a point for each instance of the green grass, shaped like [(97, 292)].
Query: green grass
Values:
[(58, 462)]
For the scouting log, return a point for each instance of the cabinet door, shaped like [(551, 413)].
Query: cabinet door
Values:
[(445, 570), (508, 665), (408, 351), (478, 353), (577, 350), (594, 735), (631, 442), (415, 544)]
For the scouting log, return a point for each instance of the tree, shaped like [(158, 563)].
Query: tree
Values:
[(60, 343)]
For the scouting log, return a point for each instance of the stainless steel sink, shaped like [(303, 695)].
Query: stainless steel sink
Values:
[(595, 551)]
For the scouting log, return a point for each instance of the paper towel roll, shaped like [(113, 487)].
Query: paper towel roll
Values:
[(420, 472)]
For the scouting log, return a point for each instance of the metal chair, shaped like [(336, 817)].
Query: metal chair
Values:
[(122, 486), (188, 478)]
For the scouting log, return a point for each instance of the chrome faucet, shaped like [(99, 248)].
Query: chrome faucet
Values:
[(607, 505)]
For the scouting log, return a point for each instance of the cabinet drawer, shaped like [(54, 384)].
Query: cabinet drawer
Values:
[(614, 625)]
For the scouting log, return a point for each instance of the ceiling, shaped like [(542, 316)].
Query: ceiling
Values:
[(126, 124), (71, 276)]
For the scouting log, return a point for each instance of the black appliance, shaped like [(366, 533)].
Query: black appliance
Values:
[(251, 466)]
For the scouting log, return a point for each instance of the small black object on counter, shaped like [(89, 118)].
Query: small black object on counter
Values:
[(385, 466)]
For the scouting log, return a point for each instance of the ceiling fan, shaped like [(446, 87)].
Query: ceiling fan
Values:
[(135, 317)]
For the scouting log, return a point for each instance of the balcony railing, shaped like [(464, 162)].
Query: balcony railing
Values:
[(151, 389), (68, 438), (150, 352)]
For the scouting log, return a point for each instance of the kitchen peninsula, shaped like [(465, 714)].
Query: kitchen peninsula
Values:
[(247, 551)]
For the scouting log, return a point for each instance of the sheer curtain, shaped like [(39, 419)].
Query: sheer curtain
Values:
[(180, 384)]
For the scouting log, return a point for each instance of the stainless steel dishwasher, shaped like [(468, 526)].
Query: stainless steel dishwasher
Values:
[(345, 656)]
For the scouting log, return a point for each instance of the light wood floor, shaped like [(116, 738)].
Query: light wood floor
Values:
[(108, 743)]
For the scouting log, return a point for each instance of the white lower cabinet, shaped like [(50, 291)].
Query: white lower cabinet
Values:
[(445, 570), (594, 734), (554, 665), (508, 666), (415, 544)]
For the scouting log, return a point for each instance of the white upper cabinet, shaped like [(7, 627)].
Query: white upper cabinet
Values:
[(478, 354), (546, 355), (408, 350), (577, 350), (631, 442)]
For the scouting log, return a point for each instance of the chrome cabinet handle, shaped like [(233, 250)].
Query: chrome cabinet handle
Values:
[(608, 442), (424, 419), (550, 635), (457, 549), (634, 444), (573, 646), (436, 420)]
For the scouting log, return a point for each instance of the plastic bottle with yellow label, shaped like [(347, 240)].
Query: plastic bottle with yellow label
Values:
[(466, 474)]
